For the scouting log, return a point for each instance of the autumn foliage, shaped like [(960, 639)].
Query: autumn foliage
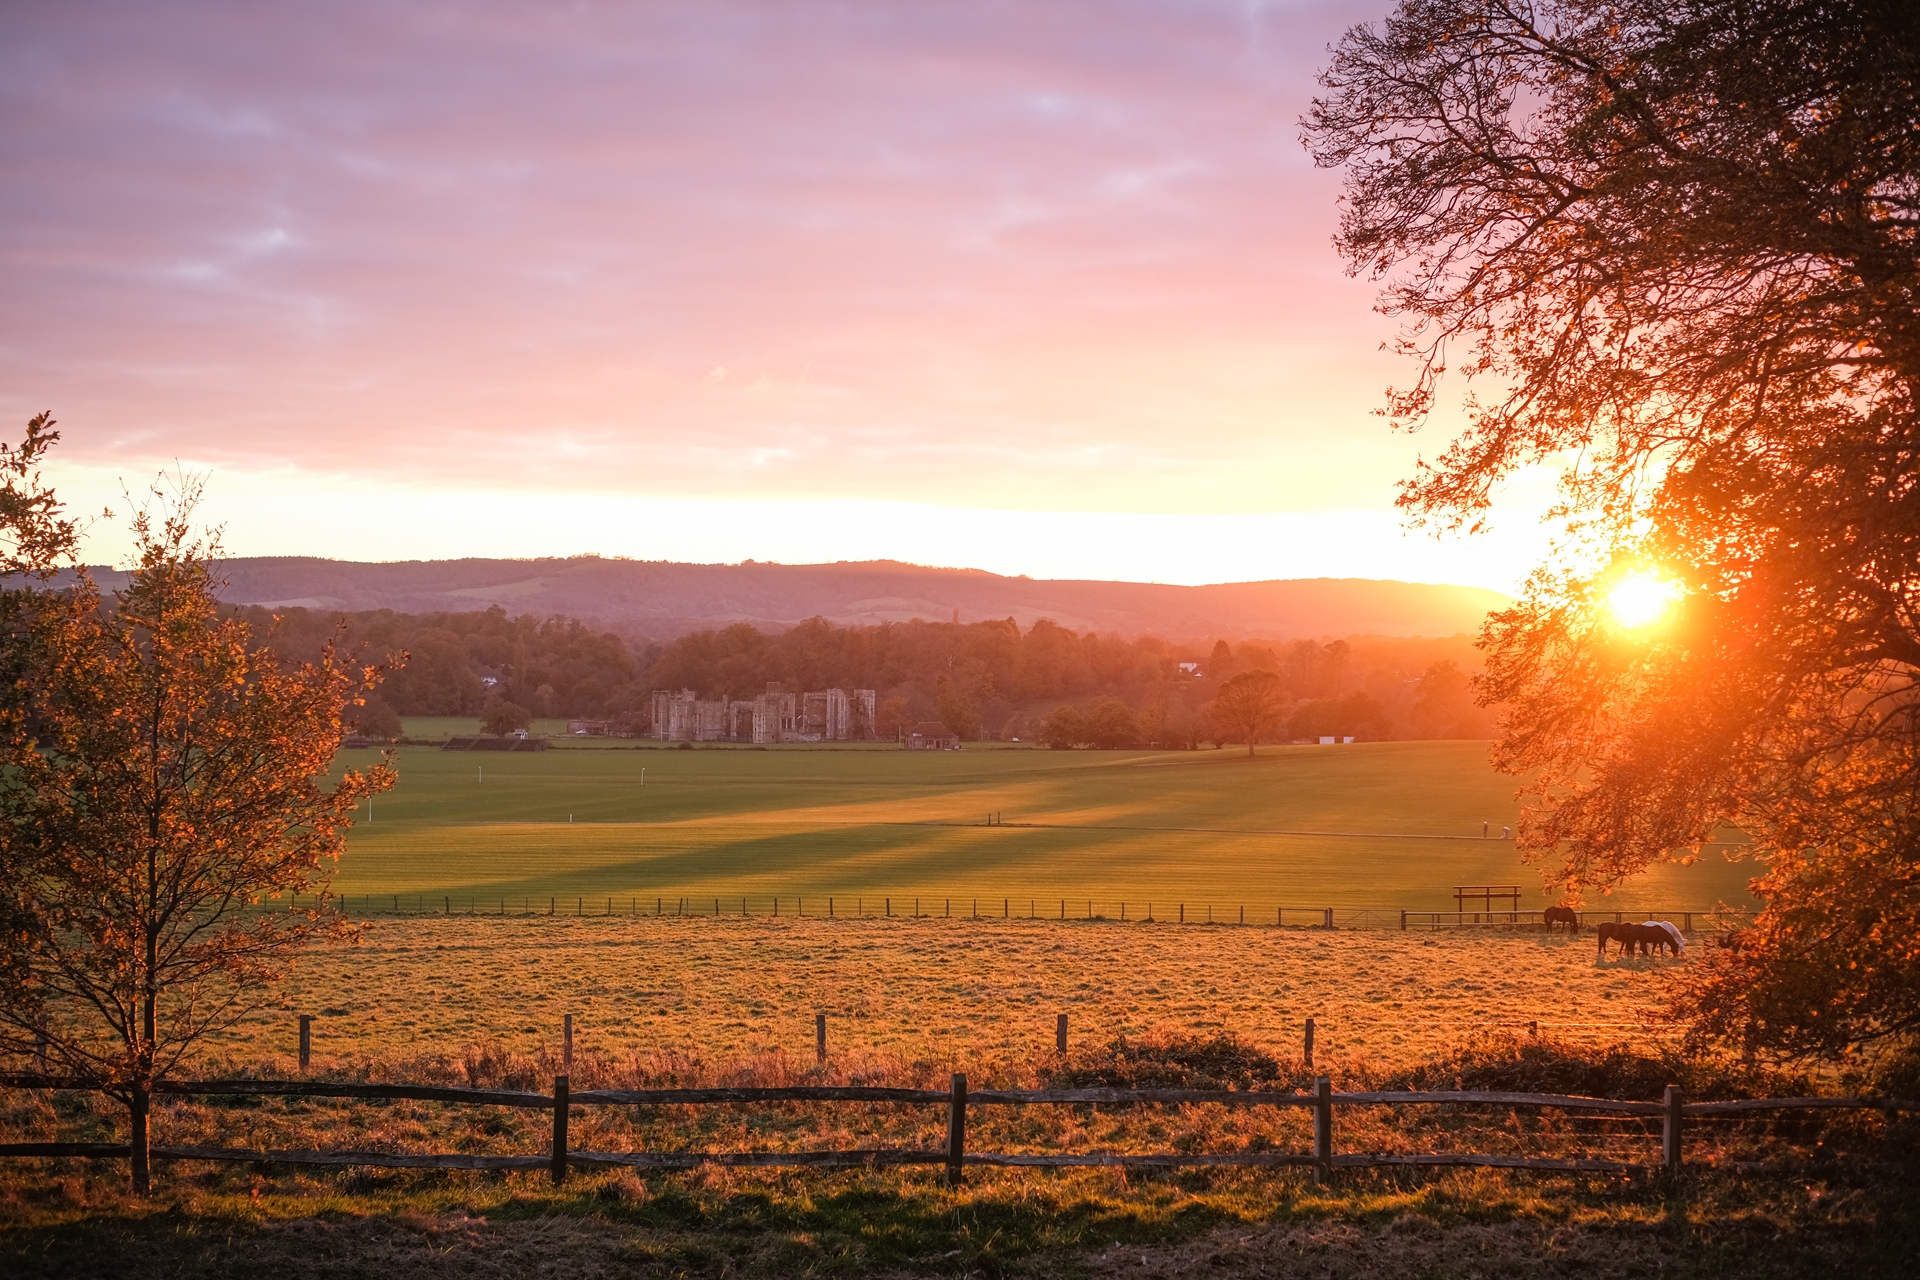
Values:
[(1677, 243), (163, 805)]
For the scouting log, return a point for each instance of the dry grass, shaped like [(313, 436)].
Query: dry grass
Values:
[(730, 1002), (939, 990)]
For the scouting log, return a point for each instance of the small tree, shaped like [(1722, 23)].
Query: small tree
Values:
[(1248, 707), (501, 717), (169, 789), (1110, 724), (1064, 728)]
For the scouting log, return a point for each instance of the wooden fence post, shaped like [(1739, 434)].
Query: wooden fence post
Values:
[(559, 1169), (306, 1039), (566, 1043), (1327, 918), (1308, 1056), (1323, 1130), (1060, 1033), (1403, 919), (957, 1129), (1670, 1130), (820, 1037)]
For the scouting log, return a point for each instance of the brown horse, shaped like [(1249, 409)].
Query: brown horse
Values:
[(1646, 939), (1561, 915)]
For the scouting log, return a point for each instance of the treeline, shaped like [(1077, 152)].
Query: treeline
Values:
[(984, 679), (995, 680), (460, 664)]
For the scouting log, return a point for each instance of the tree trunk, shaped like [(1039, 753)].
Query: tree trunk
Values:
[(139, 1103)]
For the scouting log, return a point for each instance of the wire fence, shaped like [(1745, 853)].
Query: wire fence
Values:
[(1085, 910)]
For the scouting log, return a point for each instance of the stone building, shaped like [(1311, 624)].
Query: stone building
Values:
[(831, 715)]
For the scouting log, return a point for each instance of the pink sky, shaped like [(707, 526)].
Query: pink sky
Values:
[(707, 281)]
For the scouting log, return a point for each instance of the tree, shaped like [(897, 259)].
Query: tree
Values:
[(1356, 714), (168, 791), (1064, 729), (1248, 707), (890, 721), (1443, 705), (955, 708), (500, 717), (36, 538), (1679, 237), (1110, 724), (375, 719)]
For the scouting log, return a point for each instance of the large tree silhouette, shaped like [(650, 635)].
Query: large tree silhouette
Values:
[(1676, 239)]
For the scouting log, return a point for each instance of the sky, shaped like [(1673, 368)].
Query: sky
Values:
[(1034, 288)]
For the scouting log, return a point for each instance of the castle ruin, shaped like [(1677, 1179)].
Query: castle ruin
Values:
[(831, 715)]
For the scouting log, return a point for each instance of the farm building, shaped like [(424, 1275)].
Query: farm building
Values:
[(931, 735)]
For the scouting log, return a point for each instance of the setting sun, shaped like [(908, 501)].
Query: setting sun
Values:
[(1639, 598)]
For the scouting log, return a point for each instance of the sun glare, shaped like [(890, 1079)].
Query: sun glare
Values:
[(1640, 598)]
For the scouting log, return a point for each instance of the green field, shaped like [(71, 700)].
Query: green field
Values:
[(1373, 826)]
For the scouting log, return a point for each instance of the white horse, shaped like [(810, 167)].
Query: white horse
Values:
[(1673, 931)]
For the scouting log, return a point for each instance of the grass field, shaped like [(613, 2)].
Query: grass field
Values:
[(941, 990), (702, 1001), (1378, 826)]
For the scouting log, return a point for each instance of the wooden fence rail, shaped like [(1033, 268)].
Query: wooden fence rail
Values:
[(1322, 1101)]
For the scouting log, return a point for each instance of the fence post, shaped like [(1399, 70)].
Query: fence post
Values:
[(1670, 1129), (566, 1043), (1327, 918), (1403, 919), (820, 1037), (40, 1052), (1323, 1130), (957, 1129), (306, 1039), (559, 1130), (1060, 1033), (1309, 1045), (447, 904)]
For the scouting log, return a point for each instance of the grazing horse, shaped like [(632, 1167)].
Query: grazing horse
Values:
[(1664, 937), (1561, 915), (1646, 939)]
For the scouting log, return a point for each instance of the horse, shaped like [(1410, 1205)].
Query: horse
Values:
[(1664, 937), (1561, 915), (1646, 939)]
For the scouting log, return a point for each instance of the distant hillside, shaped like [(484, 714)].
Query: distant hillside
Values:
[(662, 600)]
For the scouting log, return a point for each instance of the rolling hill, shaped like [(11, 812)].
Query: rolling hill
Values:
[(662, 600)]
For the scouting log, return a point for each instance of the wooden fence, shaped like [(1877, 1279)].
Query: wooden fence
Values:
[(1673, 1111)]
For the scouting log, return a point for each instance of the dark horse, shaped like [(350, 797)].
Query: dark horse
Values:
[(1647, 939), (1561, 915)]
